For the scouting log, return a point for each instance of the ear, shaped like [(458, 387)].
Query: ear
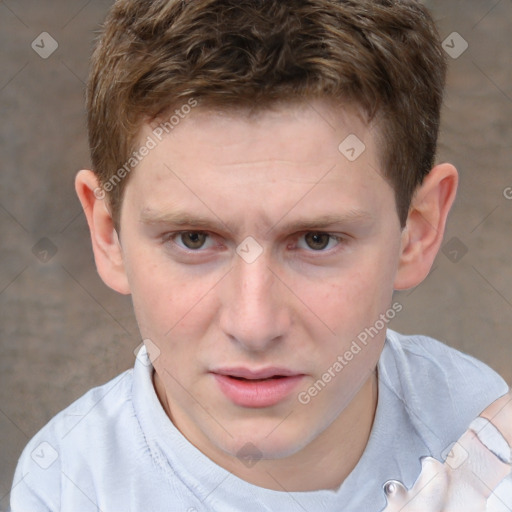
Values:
[(105, 242), (424, 230)]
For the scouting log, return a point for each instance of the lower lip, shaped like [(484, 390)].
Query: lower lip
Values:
[(260, 393)]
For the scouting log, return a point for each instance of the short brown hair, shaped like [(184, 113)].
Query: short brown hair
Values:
[(384, 56)]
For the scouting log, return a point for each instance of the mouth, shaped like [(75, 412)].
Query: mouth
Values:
[(240, 372), (256, 388), (256, 380)]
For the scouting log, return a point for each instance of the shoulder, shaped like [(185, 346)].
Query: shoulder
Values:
[(87, 428), (442, 388), (437, 365), (103, 406)]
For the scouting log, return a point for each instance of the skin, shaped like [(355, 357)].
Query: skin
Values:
[(297, 306)]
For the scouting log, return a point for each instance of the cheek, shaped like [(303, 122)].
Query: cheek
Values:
[(166, 300), (348, 301)]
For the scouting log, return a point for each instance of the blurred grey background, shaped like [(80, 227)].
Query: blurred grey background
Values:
[(62, 331)]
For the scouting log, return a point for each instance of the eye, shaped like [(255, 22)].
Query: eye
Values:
[(191, 240), (319, 241), (195, 241)]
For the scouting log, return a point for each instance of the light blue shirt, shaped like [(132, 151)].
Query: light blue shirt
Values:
[(115, 449)]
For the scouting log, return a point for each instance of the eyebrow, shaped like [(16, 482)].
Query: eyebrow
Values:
[(180, 219)]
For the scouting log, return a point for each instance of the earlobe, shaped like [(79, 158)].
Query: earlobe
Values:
[(423, 234), (105, 242)]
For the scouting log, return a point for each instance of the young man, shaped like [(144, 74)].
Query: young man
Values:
[(263, 180)]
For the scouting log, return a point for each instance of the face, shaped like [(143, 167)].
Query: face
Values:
[(254, 248)]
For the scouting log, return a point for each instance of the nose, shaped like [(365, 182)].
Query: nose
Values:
[(254, 311)]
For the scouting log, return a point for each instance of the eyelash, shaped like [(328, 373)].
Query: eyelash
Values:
[(170, 237)]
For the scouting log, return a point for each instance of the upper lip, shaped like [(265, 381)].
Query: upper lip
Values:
[(262, 373)]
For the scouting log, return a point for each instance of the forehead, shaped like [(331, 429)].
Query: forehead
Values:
[(247, 130), (310, 153), (299, 134)]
